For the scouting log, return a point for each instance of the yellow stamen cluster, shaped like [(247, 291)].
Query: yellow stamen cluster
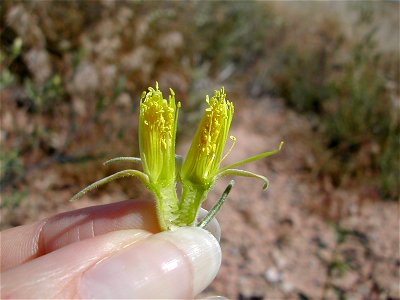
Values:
[(157, 129), (205, 154)]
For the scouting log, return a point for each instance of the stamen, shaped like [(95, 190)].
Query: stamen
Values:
[(233, 139)]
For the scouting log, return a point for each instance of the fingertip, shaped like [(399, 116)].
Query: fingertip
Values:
[(202, 250), (173, 264), (213, 227)]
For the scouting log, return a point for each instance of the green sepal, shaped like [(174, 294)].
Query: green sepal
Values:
[(124, 159), (217, 207), (143, 177), (243, 173), (253, 158)]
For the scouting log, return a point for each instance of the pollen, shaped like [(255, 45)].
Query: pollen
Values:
[(158, 116), (205, 153), (157, 133), (217, 115)]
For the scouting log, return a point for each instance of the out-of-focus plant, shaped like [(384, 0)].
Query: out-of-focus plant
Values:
[(224, 31), (46, 96), (10, 166), (7, 56), (365, 120), (345, 85), (13, 200)]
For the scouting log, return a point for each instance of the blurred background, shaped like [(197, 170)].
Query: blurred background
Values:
[(321, 76)]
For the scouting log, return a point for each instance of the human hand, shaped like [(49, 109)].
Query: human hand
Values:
[(107, 251)]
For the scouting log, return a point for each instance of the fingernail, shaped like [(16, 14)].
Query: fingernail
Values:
[(178, 264), (203, 251)]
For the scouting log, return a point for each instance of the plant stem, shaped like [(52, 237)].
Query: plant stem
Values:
[(168, 206), (192, 197)]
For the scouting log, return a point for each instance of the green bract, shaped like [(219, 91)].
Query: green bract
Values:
[(162, 169)]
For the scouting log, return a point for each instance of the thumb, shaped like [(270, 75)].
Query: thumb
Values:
[(121, 264)]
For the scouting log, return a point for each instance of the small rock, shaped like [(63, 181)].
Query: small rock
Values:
[(38, 62), (171, 42), (273, 275), (25, 24), (79, 106), (347, 280), (140, 59), (124, 100), (279, 259), (86, 79), (287, 287)]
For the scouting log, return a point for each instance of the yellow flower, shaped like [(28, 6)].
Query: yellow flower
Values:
[(157, 134), (201, 168), (205, 154)]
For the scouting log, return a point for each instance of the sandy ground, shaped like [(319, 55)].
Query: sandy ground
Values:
[(301, 239), (276, 244)]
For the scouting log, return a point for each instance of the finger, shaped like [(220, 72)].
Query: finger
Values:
[(213, 226), (55, 275), (121, 264), (24, 243)]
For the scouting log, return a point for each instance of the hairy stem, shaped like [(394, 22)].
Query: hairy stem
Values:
[(167, 206), (192, 197)]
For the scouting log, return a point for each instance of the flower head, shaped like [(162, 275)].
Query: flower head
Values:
[(201, 168), (157, 134), (206, 152)]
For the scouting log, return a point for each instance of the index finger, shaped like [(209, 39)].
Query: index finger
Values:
[(24, 243)]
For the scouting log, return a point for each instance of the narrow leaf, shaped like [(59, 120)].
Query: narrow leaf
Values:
[(217, 207), (124, 158), (253, 158), (143, 177), (237, 172)]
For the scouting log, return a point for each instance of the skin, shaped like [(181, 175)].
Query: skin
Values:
[(69, 255)]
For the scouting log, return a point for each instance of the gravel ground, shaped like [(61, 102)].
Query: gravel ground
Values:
[(277, 246), (303, 238)]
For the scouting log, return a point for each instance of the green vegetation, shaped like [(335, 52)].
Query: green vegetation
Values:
[(99, 57), (353, 103), (350, 85), (7, 77), (10, 166), (44, 97), (13, 200)]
